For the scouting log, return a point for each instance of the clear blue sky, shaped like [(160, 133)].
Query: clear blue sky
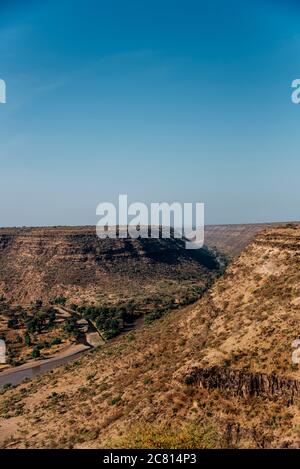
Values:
[(164, 100)]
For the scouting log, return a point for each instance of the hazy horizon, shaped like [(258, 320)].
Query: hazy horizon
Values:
[(267, 222)]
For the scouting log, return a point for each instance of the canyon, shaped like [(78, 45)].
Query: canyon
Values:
[(214, 373)]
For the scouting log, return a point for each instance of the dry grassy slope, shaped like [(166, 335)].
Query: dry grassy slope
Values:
[(133, 389), (257, 306), (73, 261)]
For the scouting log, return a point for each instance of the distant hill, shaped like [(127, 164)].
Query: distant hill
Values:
[(232, 239)]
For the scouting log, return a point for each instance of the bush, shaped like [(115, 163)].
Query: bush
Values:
[(157, 314), (27, 339), (115, 400), (7, 386), (12, 323), (58, 300), (37, 303), (110, 333), (70, 325), (45, 344), (56, 341), (35, 353), (191, 436)]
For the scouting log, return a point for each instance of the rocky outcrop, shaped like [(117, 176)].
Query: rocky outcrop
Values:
[(246, 384)]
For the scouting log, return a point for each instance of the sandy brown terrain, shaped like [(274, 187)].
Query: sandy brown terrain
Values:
[(74, 262), (124, 280), (218, 373)]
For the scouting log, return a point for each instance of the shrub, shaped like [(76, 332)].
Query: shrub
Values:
[(12, 323), (58, 300), (191, 436), (70, 325), (56, 341), (111, 333), (37, 303), (115, 400), (157, 314), (27, 339), (36, 352)]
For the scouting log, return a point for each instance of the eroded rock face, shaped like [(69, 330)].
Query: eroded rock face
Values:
[(246, 384), (44, 262)]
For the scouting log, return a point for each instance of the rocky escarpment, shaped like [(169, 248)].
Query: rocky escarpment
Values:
[(280, 240), (73, 261), (43, 262), (246, 384)]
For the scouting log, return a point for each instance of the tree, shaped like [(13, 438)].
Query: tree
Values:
[(27, 339), (35, 353), (31, 325), (56, 341), (12, 323), (51, 316)]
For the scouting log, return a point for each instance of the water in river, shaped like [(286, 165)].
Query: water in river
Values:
[(17, 376)]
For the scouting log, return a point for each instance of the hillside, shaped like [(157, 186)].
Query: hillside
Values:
[(71, 261), (74, 262), (218, 373), (104, 285)]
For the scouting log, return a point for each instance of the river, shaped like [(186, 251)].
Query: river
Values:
[(17, 375)]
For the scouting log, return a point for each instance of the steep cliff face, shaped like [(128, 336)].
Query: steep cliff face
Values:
[(246, 384), (44, 262)]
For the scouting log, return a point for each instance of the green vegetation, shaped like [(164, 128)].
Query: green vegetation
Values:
[(13, 323), (70, 324), (202, 436), (27, 339), (36, 352), (34, 327), (56, 341), (157, 314), (58, 300), (115, 400), (110, 320), (41, 320)]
